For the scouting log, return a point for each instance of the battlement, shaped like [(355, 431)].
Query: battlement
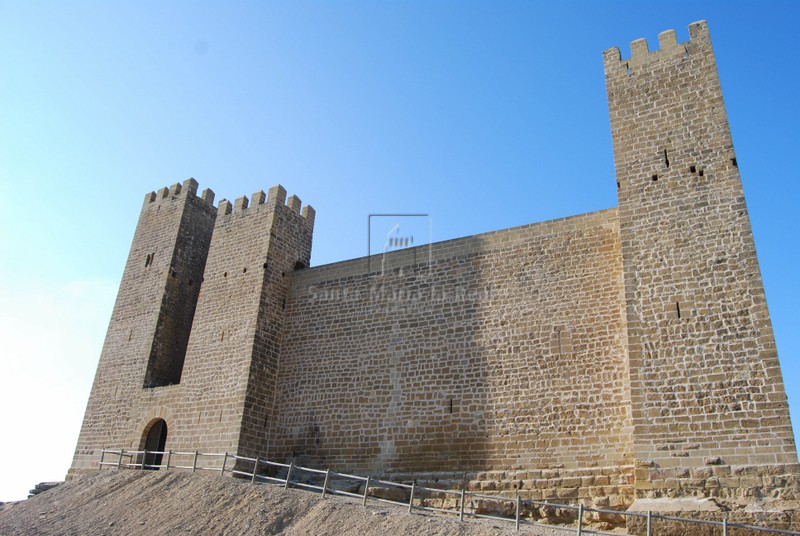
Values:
[(187, 189), (276, 196), (668, 47)]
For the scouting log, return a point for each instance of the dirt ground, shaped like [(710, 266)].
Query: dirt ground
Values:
[(146, 503)]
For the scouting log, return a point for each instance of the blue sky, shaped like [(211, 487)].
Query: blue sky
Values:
[(485, 115)]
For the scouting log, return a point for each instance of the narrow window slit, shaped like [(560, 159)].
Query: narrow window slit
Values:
[(451, 406), (678, 309), (628, 67), (666, 158), (222, 336)]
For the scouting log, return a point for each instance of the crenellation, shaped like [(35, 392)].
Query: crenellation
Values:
[(667, 40), (294, 204), (224, 208), (699, 31), (208, 196), (240, 204), (309, 214), (276, 195), (639, 50), (189, 187), (258, 198), (610, 358)]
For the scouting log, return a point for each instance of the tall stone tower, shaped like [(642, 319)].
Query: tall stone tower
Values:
[(704, 376), (149, 328)]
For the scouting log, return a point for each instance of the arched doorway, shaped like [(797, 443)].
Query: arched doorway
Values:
[(154, 444)]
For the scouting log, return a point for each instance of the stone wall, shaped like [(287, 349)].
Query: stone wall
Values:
[(497, 351)]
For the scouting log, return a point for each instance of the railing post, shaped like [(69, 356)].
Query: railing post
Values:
[(224, 461), (580, 519), (169, 458), (288, 475), (649, 523), (325, 483), (255, 470), (517, 512), (119, 460), (102, 455), (461, 513), (366, 489), (411, 499), (194, 463), (725, 527), (144, 458)]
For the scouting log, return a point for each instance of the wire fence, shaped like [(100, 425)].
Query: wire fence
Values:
[(461, 503)]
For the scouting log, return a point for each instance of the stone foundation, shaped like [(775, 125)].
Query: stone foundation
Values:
[(787, 520), (733, 487)]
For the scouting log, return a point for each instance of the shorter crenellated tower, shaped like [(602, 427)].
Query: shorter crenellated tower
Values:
[(191, 353), (233, 351)]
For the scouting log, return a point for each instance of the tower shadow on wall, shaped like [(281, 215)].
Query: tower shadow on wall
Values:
[(461, 356)]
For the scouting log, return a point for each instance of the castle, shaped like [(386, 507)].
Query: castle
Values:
[(614, 356)]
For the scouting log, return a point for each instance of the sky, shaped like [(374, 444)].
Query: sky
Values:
[(484, 115)]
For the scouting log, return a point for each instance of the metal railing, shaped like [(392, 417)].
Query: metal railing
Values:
[(328, 482)]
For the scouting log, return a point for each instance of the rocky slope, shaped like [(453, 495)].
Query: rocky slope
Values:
[(146, 503)]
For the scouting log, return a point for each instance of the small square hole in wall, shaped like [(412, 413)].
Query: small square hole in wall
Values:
[(655, 178), (692, 169), (679, 308)]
